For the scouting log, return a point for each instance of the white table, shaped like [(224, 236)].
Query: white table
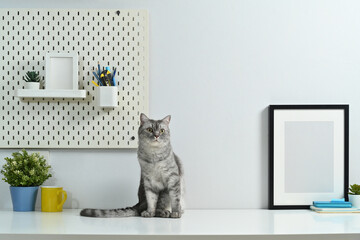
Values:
[(195, 224)]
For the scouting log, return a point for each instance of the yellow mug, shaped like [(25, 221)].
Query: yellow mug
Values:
[(52, 199)]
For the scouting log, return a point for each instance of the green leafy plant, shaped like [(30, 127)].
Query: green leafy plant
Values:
[(354, 189), (32, 76), (25, 170)]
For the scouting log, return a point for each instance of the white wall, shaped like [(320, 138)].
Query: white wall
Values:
[(215, 66)]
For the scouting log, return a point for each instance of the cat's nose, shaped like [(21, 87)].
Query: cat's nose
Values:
[(156, 136)]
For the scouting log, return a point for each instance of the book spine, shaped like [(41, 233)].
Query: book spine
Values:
[(333, 205)]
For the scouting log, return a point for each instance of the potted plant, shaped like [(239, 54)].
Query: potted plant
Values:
[(25, 173), (32, 80), (354, 195)]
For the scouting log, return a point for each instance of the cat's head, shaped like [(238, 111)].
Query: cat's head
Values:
[(154, 133)]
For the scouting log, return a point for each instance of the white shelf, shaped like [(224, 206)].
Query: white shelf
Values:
[(194, 224), (49, 93)]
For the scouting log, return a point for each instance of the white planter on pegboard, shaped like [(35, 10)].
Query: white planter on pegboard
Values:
[(32, 85)]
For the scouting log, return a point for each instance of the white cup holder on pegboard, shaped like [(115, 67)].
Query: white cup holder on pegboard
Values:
[(107, 96)]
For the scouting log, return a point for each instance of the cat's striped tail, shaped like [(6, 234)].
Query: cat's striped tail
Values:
[(110, 213)]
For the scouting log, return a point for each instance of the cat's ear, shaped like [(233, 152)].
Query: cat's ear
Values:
[(143, 118), (167, 119)]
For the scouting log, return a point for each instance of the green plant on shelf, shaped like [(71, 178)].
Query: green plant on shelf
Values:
[(25, 170), (354, 189), (32, 76)]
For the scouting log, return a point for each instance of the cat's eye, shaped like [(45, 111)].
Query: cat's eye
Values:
[(162, 130), (150, 129)]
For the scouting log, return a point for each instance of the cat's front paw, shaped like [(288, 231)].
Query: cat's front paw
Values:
[(175, 215), (147, 214), (162, 213)]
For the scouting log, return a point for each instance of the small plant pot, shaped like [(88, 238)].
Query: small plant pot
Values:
[(24, 198), (107, 96), (355, 200), (32, 85)]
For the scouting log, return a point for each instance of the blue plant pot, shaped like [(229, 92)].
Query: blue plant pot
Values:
[(24, 198)]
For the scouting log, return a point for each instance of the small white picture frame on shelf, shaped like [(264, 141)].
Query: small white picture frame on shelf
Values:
[(61, 71)]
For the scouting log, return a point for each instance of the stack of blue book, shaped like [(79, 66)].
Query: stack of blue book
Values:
[(334, 206)]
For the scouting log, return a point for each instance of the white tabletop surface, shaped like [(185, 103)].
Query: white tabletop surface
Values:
[(257, 222)]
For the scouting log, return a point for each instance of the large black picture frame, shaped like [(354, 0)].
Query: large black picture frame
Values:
[(290, 109)]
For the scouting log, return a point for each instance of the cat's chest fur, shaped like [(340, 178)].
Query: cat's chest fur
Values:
[(158, 176), (156, 172)]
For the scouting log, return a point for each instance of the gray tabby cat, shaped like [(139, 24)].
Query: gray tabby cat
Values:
[(161, 185)]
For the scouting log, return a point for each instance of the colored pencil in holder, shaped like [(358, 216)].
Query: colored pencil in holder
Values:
[(97, 78), (113, 78)]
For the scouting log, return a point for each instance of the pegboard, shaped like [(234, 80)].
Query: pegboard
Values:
[(115, 39)]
